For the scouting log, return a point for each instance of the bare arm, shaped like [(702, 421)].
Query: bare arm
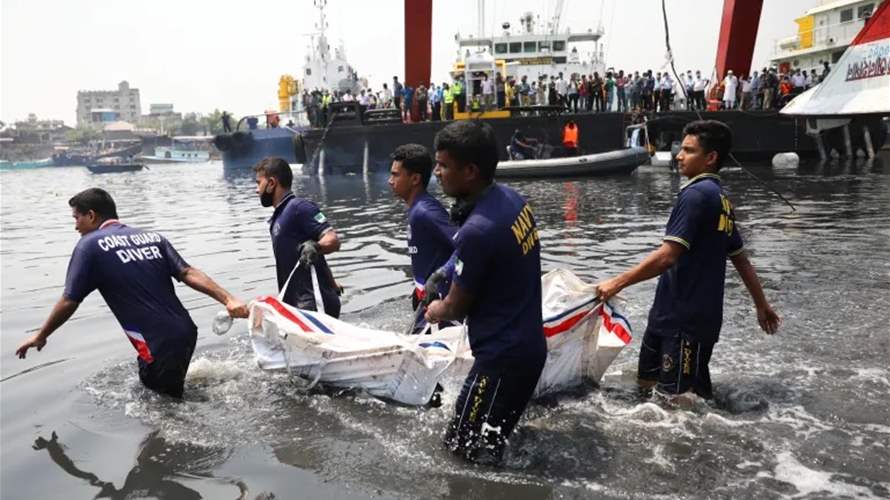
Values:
[(454, 306), (767, 318), (329, 242), (63, 310), (196, 279), (653, 265)]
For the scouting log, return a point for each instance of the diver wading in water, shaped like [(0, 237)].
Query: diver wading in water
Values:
[(132, 268), (496, 286), (686, 317)]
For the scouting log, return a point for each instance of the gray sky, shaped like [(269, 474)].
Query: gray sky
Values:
[(202, 54)]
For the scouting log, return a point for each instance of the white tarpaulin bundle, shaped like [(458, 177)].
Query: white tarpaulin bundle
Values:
[(583, 337)]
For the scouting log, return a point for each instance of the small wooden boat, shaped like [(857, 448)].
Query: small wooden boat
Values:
[(111, 168), (622, 161)]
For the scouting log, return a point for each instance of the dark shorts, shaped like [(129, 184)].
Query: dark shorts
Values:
[(677, 363), (166, 373), (487, 410)]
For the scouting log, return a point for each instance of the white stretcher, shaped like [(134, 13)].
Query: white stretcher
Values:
[(583, 338)]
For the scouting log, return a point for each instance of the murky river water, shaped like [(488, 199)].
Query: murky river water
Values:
[(805, 413)]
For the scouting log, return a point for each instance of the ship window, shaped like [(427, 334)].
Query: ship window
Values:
[(559, 45), (500, 48), (339, 69), (865, 10), (308, 71), (846, 15), (530, 47), (544, 46), (559, 60), (515, 47)]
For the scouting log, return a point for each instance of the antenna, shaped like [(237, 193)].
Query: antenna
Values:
[(480, 19)]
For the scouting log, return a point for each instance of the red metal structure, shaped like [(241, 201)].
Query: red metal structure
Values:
[(735, 48), (418, 41), (738, 32), (418, 44)]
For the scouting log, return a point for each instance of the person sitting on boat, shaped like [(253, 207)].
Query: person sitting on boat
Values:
[(227, 125), (132, 268), (430, 232), (522, 148), (570, 138), (301, 234), (497, 287), (686, 317)]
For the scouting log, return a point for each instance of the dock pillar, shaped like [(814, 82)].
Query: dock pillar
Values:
[(869, 146), (821, 145), (848, 143), (365, 160), (738, 32)]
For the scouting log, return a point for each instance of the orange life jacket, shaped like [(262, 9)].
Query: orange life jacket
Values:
[(570, 136)]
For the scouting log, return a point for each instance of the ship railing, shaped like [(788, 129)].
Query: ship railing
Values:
[(298, 117), (536, 110), (820, 37)]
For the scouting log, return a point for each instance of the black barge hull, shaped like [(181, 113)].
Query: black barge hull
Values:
[(354, 147)]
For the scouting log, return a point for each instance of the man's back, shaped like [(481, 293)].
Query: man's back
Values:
[(499, 264), (132, 268)]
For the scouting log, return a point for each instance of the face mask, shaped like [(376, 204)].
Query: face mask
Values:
[(266, 198), (460, 210)]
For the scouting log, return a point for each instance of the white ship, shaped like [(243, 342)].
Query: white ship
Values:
[(854, 97), (323, 69), (824, 33), (536, 49)]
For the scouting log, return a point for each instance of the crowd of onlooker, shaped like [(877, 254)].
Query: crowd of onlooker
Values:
[(615, 91)]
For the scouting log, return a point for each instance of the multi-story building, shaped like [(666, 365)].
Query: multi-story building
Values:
[(123, 102), (823, 34)]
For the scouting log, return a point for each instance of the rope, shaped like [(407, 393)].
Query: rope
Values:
[(324, 136)]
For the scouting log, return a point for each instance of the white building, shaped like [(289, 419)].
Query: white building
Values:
[(124, 102), (823, 34)]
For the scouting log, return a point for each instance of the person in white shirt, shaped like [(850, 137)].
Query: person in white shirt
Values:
[(688, 83), (799, 82), (387, 97), (808, 78), (667, 92), (363, 98), (487, 92), (562, 88), (730, 87), (698, 90)]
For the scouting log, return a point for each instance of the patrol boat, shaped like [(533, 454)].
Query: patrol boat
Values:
[(323, 69)]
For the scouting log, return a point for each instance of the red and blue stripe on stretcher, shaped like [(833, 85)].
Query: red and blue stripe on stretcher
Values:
[(612, 321)]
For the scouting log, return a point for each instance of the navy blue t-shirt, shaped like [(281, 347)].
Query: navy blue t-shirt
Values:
[(430, 240), (499, 264), (689, 296), (132, 270), (294, 222)]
